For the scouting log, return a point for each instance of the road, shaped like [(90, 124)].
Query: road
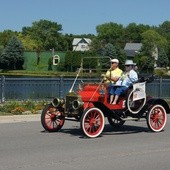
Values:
[(24, 145)]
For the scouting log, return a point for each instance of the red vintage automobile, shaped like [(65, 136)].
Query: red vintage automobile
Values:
[(90, 105)]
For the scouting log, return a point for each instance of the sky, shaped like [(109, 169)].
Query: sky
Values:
[(82, 16)]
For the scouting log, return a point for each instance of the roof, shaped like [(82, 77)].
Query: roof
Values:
[(131, 48), (77, 40)]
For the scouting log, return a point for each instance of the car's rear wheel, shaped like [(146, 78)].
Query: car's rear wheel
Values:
[(52, 119), (156, 118), (92, 122)]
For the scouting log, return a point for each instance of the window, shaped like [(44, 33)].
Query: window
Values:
[(56, 60), (83, 46)]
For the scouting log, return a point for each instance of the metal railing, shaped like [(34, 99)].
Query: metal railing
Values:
[(47, 88)]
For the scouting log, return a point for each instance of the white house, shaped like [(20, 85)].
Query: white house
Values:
[(81, 44)]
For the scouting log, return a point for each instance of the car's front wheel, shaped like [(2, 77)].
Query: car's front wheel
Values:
[(92, 122), (52, 119)]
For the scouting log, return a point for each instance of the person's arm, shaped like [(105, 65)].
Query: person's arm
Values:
[(133, 76), (113, 78)]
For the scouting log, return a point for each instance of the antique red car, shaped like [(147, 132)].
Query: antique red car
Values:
[(90, 105)]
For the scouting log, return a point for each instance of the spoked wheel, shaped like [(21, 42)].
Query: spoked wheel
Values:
[(52, 119), (114, 122), (156, 118), (92, 122)]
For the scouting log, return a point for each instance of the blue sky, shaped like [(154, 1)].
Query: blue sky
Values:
[(82, 16)]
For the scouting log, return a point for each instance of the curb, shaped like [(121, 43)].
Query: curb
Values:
[(20, 118)]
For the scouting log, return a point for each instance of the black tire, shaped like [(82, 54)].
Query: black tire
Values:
[(92, 122), (114, 122), (52, 119), (156, 118)]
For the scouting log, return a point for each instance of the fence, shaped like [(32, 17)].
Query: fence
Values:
[(47, 88)]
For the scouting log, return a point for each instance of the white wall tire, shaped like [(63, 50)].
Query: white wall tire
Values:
[(156, 118), (92, 122)]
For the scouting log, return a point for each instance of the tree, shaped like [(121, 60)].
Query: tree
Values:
[(145, 64), (5, 36), (152, 43), (68, 61), (12, 56), (164, 30), (163, 60), (133, 32), (1, 49), (28, 43), (110, 32), (110, 51), (45, 35), (152, 39)]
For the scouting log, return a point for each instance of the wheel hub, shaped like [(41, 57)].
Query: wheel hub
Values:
[(156, 116), (92, 121), (53, 117)]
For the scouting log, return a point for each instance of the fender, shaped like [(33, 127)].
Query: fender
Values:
[(154, 101)]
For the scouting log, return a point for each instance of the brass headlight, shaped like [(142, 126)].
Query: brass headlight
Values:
[(77, 104), (57, 102)]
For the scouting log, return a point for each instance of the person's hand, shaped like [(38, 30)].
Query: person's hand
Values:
[(103, 75)]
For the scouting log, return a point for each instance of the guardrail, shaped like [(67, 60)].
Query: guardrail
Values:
[(47, 88)]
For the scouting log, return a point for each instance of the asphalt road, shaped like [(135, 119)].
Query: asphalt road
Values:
[(24, 145)]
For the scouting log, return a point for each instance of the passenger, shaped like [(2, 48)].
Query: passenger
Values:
[(112, 75), (129, 77)]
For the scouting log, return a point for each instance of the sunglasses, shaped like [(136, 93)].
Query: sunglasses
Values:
[(113, 62), (127, 65)]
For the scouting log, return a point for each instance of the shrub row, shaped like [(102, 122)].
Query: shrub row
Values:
[(21, 107)]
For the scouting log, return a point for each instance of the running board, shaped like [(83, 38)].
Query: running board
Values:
[(129, 118), (71, 119)]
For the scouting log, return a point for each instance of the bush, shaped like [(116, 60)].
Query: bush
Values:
[(18, 111), (160, 72), (19, 107)]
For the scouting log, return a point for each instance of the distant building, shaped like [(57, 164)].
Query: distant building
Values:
[(131, 49), (81, 44)]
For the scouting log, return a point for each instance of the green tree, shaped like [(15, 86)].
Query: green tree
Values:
[(133, 32), (145, 64), (163, 60), (1, 49), (46, 35), (47, 32), (110, 51), (152, 39), (12, 56), (109, 32), (5, 36), (164, 30), (68, 61), (28, 43)]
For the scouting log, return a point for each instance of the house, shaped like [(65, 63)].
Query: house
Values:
[(131, 49), (81, 44)]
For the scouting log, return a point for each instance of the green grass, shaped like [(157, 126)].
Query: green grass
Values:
[(41, 73)]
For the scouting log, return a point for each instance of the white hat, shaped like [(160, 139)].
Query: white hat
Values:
[(129, 62), (114, 60)]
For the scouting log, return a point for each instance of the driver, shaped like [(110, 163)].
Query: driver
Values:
[(128, 77), (112, 75)]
